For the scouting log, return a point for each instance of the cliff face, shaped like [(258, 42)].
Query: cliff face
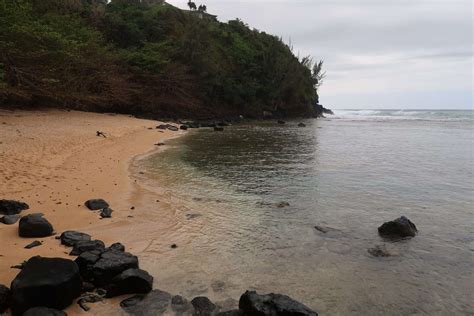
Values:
[(147, 58)]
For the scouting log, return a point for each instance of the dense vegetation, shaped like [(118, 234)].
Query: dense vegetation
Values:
[(143, 57)]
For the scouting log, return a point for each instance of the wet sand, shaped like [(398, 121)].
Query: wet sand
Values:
[(54, 161)]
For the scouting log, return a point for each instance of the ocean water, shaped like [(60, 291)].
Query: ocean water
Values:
[(247, 200)]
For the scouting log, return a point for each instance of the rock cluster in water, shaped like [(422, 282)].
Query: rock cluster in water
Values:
[(45, 286)]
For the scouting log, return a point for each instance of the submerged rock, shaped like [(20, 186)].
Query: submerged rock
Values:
[(301, 125), (283, 204), (154, 303), (35, 225), (44, 311), (10, 219), (4, 298), (281, 122), (70, 238), (234, 312), (87, 245), (252, 303), (180, 304), (48, 282), (379, 251), (11, 207), (218, 129), (203, 306), (400, 227), (130, 281), (96, 204)]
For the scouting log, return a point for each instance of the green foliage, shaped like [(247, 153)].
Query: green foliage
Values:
[(150, 58)]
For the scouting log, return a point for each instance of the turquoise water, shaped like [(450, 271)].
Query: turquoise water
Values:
[(349, 172)]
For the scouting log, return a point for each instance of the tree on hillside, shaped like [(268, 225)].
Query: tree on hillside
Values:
[(192, 5), (202, 8)]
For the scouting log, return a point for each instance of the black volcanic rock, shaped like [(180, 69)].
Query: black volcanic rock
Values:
[(35, 225), (4, 298), (44, 311), (34, 244), (203, 306), (10, 207), (96, 204), (70, 238), (116, 247), (400, 227), (87, 245), (48, 282), (253, 304), (131, 281), (85, 262), (10, 219), (106, 212), (110, 264)]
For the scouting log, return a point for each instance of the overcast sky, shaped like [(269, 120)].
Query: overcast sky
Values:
[(378, 53)]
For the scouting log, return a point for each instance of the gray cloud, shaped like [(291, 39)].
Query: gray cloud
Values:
[(373, 48)]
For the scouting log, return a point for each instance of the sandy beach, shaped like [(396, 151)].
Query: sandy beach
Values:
[(54, 161)]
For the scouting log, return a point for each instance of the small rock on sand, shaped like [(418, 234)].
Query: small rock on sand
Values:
[(34, 244), (96, 204)]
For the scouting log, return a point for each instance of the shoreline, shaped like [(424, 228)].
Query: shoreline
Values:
[(54, 161)]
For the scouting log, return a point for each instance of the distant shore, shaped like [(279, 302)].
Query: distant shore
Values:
[(54, 161)]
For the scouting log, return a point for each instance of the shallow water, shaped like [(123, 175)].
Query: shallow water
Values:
[(350, 173)]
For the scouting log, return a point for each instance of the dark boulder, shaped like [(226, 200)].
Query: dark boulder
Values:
[(106, 212), (131, 281), (70, 238), (35, 225), (154, 303), (253, 304), (87, 245), (218, 129), (34, 244), (281, 122), (48, 282), (10, 207), (96, 204), (110, 264), (203, 306), (44, 311), (4, 298), (400, 227), (183, 127), (116, 247), (85, 261), (172, 128), (10, 219), (301, 125)]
